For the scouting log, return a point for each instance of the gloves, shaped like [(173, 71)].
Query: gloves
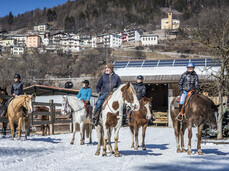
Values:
[(87, 102)]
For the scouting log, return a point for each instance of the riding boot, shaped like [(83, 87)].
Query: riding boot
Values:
[(180, 115)]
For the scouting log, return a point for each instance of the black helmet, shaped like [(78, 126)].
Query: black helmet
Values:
[(17, 76), (86, 82), (68, 84), (140, 77)]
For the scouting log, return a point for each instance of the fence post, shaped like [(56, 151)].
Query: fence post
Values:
[(170, 99), (51, 118)]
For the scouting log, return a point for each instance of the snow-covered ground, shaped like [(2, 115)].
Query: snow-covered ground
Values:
[(55, 153)]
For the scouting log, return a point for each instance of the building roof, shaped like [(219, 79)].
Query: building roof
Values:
[(164, 71)]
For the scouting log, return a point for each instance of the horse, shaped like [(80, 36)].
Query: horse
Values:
[(3, 92), (111, 116), (140, 118), (199, 110), (15, 112), (80, 117), (44, 127)]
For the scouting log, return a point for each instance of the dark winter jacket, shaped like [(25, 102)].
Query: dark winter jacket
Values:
[(189, 81), (17, 88), (108, 82), (140, 90)]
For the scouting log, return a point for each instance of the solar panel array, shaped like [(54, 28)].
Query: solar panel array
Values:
[(167, 63)]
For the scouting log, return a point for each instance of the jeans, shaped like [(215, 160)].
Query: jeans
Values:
[(100, 101), (182, 97)]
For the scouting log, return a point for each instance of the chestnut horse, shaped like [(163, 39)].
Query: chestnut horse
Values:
[(199, 110), (140, 118), (44, 127), (15, 112)]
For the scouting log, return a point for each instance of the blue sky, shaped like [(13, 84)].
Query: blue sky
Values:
[(21, 6)]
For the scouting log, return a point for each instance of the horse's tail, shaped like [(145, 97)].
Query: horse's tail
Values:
[(77, 127), (87, 128)]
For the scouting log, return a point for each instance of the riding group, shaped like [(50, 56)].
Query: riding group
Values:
[(188, 109)]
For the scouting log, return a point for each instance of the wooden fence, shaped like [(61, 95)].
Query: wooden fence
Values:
[(53, 113)]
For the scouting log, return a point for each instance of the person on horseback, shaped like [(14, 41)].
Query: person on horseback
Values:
[(188, 81), (85, 92), (16, 90), (108, 82), (140, 87)]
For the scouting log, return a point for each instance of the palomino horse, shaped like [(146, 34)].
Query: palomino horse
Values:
[(140, 118), (111, 116), (15, 112), (44, 127), (3, 92), (81, 120), (200, 110)]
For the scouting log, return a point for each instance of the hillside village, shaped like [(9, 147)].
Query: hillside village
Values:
[(44, 39)]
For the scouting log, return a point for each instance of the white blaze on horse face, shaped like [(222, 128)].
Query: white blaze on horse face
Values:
[(136, 104), (149, 114)]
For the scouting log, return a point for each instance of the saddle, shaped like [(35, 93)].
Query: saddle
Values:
[(177, 101)]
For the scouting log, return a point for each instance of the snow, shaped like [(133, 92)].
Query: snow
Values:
[(55, 153)]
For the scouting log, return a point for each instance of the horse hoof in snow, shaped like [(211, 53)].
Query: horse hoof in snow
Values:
[(189, 152), (143, 148), (117, 155), (104, 155), (184, 151), (178, 150), (132, 146), (97, 153), (135, 148), (71, 143), (200, 153)]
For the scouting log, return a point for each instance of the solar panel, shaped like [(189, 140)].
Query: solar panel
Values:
[(165, 63), (152, 63)]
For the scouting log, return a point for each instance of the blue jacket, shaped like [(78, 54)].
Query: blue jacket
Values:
[(108, 82), (17, 88), (84, 94)]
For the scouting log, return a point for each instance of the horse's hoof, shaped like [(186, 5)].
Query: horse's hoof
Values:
[(112, 152), (200, 153), (71, 143), (132, 146), (178, 150), (117, 154), (104, 154), (135, 148), (97, 153), (143, 148), (189, 152), (183, 151), (138, 146)]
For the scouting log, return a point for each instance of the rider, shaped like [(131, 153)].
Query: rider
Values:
[(85, 92), (188, 81), (16, 90), (108, 82), (140, 87)]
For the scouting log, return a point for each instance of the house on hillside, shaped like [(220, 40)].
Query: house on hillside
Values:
[(112, 40), (17, 50), (170, 23), (41, 28), (70, 45), (7, 42), (21, 39), (149, 39), (33, 41), (131, 35), (55, 39)]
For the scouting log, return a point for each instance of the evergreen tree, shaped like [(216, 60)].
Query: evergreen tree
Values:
[(10, 18)]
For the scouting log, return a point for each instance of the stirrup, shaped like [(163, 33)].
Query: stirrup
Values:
[(182, 117)]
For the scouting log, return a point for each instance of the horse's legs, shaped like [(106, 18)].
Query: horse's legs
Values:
[(12, 129), (116, 142), (19, 128), (48, 129), (105, 141), (136, 129), (176, 126), (82, 133), (4, 124), (90, 133), (74, 133), (132, 135), (189, 138), (15, 129), (184, 126), (143, 136), (109, 142), (99, 136), (200, 127), (42, 129)]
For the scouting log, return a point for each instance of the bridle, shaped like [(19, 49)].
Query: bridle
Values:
[(68, 105)]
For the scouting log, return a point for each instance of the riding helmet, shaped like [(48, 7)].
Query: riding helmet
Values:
[(140, 77), (86, 82), (190, 65), (17, 76)]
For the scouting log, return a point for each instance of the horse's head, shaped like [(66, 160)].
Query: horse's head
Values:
[(3, 91), (129, 96), (28, 103), (66, 109), (146, 102), (213, 114)]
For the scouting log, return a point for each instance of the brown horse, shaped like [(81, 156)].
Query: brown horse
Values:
[(44, 127), (200, 110), (15, 112), (140, 118), (3, 92)]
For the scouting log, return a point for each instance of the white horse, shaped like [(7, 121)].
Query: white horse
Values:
[(111, 116), (75, 106)]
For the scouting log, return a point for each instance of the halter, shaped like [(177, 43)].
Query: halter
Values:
[(72, 110)]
